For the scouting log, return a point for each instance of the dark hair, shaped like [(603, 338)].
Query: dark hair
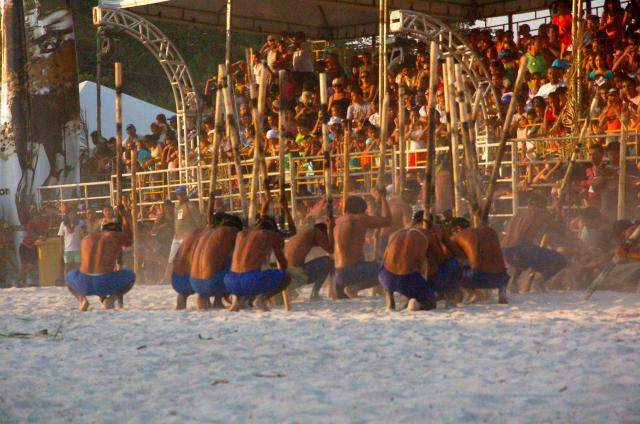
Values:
[(265, 222), (614, 146), (232, 221), (112, 226), (322, 227), (459, 222), (412, 186), (355, 205)]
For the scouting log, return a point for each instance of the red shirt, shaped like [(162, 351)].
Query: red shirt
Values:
[(36, 228), (563, 22)]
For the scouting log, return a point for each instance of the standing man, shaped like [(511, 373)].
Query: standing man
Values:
[(316, 270), (97, 275), (486, 268), (353, 273), (401, 212), (520, 243), (186, 217)]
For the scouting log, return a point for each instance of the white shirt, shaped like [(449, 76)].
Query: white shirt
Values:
[(71, 240), (302, 58), (549, 88), (361, 111)]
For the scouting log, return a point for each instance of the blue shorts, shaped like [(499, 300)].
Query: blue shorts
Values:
[(447, 277), (255, 282), (358, 273), (318, 269), (115, 282), (474, 279), (210, 286), (181, 284), (539, 259), (414, 286)]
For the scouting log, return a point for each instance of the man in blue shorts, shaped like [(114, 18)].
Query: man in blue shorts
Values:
[(97, 275), (182, 263)]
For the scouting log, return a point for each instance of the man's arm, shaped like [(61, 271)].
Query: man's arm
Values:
[(459, 252), (384, 220), (284, 206), (278, 250)]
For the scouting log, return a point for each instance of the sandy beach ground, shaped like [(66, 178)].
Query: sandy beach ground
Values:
[(545, 358)]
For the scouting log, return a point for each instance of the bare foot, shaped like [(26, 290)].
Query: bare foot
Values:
[(502, 295), (202, 302), (351, 292), (237, 303), (261, 304), (181, 302), (108, 303), (84, 304), (120, 301)]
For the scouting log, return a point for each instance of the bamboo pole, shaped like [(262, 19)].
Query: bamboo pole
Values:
[(345, 163), (134, 208), (453, 130), (622, 170), (232, 125), (293, 171), (402, 117), (281, 80), (118, 84), (262, 104), (431, 140), (326, 148), (503, 142), (217, 140)]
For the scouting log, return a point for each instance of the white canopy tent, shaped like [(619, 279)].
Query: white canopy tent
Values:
[(330, 19), (134, 111)]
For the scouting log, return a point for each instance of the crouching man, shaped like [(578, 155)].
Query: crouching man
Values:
[(405, 260), (316, 270), (211, 259), (485, 268), (97, 275), (247, 277), (182, 263)]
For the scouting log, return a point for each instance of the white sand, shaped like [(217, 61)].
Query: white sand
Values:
[(544, 358)]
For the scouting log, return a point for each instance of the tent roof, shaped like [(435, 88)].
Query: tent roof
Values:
[(330, 19)]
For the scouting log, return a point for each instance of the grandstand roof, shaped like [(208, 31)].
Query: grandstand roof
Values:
[(330, 19)]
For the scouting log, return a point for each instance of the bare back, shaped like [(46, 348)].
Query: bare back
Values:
[(349, 235), (299, 246), (406, 251), (100, 251), (482, 248), (212, 251), (400, 216), (182, 260), (525, 227), (253, 247)]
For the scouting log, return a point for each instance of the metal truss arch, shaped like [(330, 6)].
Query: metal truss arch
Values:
[(171, 61), (425, 28)]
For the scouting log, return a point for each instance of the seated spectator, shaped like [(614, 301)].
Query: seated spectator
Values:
[(554, 78), (536, 59)]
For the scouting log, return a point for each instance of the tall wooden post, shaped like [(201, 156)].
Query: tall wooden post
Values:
[(134, 209), (326, 148), (118, 84), (453, 130), (345, 163), (218, 130), (281, 80), (232, 125), (503, 142), (402, 118), (431, 141), (622, 170)]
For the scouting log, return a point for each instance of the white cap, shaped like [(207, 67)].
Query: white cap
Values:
[(305, 97), (335, 81), (335, 120), (272, 134)]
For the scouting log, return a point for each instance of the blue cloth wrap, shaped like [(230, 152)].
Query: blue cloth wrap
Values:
[(413, 286), (358, 273), (181, 284), (539, 259), (101, 285), (210, 286), (447, 277), (318, 269), (254, 282), (484, 280)]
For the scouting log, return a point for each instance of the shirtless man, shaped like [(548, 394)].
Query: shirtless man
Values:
[(246, 278), (405, 260), (486, 268), (401, 213), (99, 253), (519, 244), (316, 270), (353, 273), (182, 265), (211, 259)]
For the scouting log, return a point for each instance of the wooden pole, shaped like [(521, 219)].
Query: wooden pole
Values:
[(326, 148), (384, 125), (431, 140), (262, 103), (281, 81), (217, 140), (227, 52), (453, 131), (232, 125), (99, 84), (118, 84), (293, 171), (503, 142), (134, 209), (345, 163), (622, 170), (402, 118)]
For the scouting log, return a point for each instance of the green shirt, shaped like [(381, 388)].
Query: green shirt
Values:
[(186, 218), (537, 64)]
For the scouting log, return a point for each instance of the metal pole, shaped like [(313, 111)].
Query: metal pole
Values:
[(503, 141), (118, 84), (345, 163), (402, 117), (227, 54), (217, 140), (431, 141), (235, 137), (326, 148), (622, 170)]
